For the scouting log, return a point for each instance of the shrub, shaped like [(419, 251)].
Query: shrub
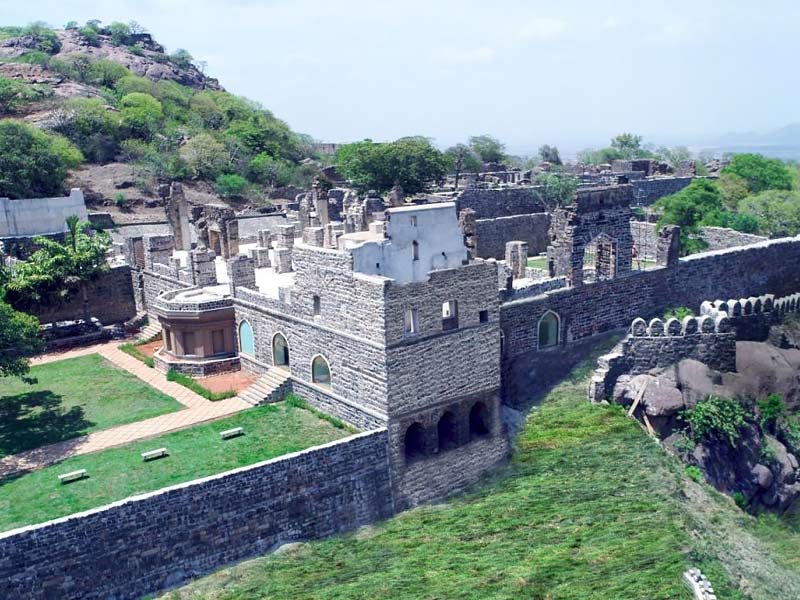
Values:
[(141, 113), (119, 199), (740, 499), (771, 409), (767, 454), (105, 73), (89, 35), (93, 128), (270, 171), (716, 418), (205, 157), (231, 185), (182, 58), (678, 312), (196, 387), (46, 39), (694, 473)]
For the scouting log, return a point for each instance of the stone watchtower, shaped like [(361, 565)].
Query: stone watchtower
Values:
[(591, 238)]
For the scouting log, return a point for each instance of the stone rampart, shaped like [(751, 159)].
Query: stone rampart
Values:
[(492, 234), (146, 543), (649, 190), (503, 202), (645, 238)]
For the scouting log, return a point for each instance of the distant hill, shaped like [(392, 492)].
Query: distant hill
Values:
[(783, 142)]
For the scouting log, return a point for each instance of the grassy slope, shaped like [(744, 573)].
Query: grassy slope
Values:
[(590, 508), (117, 473), (73, 397)]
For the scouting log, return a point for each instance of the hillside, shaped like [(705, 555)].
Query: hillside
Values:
[(141, 117)]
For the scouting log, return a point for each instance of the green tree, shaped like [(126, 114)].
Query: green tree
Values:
[(760, 173), (12, 94), (205, 157), (462, 160), (182, 58), (90, 35), (57, 270), (270, 171), (413, 163), (674, 156), (699, 203), (549, 154), (734, 189), (555, 189), (120, 33), (231, 185), (33, 163), (488, 148), (43, 35), (105, 73), (777, 212), (91, 126), (627, 144), (141, 114), (19, 340)]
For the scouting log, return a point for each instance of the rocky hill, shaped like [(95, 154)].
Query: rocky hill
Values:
[(143, 117)]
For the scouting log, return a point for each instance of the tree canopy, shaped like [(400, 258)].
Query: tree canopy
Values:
[(462, 159), (760, 173), (488, 148), (413, 163), (19, 340), (549, 154)]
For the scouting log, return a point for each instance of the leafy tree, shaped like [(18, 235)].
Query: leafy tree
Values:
[(488, 148), (231, 185), (627, 144), (674, 156), (90, 35), (760, 173), (130, 84), (205, 157), (135, 28), (19, 340), (71, 25), (89, 124), (54, 273), (555, 189), (45, 38), (413, 163), (32, 162), (120, 33), (777, 212), (270, 171), (182, 58), (549, 154), (462, 160), (105, 73), (699, 203), (141, 114), (734, 189)]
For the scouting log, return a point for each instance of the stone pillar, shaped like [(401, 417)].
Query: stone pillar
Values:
[(314, 236), (175, 264), (285, 237), (333, 231), (668, 245), (241, 272), (262, 257), (201, 263), (320, 201), (466, 220), (178, 216), (264, 238), (397, 196), (283, 260), (231, 246), (517, 258), (158, 249)]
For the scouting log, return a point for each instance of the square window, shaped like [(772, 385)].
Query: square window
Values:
[(483, 316)]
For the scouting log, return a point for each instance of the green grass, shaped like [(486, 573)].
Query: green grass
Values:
[(589, 508), (133, 350), (538, 262), (117, 473), (71, 398), (197, 387)]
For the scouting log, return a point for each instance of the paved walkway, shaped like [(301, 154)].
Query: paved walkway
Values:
[(198, 410)]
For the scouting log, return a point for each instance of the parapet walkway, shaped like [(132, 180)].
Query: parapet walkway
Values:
[(198, 410)]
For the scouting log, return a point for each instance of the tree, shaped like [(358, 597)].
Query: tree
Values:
[(270, 171), (44, 37), (777, 212), (19, 340), (488, 148), (699, 203), (760, 173), (32, 162), (231, 185), (413, 163), (205, 157), (555, 189), (53, 273), (141, 114), (674, 156), (105, 73), (549, 154), (136, 28), (89, 124), (627, 144), (463, 160), (120, 33), (182, 58), (734, 189)]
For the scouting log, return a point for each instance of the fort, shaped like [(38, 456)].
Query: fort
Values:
[(417, 324)]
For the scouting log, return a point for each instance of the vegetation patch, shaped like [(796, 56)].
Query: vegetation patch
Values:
[(71, 398), (197, 387), (298, 402), (133, 350), (117, 473)]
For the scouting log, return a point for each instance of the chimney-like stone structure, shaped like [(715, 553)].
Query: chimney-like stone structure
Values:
[(668, 245), (467, 222), (158, 249), (201, 263), (333, 231), (517, 258), (178, 216), (283, 260), (314, 236), (241, 272), (285, 236)]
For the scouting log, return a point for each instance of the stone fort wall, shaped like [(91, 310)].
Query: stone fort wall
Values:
[(492, 234), (146, 543), (648, 191), (503, 202), (645, 238)]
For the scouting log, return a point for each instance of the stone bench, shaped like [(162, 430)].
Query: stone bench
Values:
[(154, 454), (72, 476), (231, 433)]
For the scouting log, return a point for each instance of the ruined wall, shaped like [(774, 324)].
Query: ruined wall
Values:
[(492, 234), (145, 543), (648, 191), (111, 300), (505, 202), (718, 238)]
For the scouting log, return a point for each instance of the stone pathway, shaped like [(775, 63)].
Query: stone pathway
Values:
[(198, 410)]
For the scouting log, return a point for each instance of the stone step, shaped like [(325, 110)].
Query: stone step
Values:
[(265, 387)]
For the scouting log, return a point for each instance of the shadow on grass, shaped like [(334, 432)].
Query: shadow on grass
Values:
[(33, 419)]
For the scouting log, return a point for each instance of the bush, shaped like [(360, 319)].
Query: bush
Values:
[(182, 58), (694, 473), (196, 387), (716, 419), (33, 163), (119, 199), (93, 128), (740, 499), (105, 73), (45, 38), (231, 185), (90, 35), (141, 114), (771, 410), (678, 312), (270, 171), (205, 157)]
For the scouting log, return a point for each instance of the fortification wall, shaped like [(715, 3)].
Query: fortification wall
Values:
[(145, 543), (503, 202), (648, 191), (645, 238), (28, 217), (111, 300), (492, 234)]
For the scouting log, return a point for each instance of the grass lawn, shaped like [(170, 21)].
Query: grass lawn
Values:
[(71, 398), (539, 262), (589, 508), (117, 473)]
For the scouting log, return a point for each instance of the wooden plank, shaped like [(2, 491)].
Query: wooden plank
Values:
[(638, 398)]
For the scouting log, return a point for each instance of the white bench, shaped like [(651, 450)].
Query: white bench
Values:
[(154, 454), (72, 476), (231, 433)]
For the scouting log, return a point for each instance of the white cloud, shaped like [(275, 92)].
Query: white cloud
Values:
[(469, 56), (542, 28), (610, 22)]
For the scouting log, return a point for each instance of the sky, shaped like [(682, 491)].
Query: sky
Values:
[(528, 72)]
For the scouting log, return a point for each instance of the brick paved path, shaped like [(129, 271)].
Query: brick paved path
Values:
[(198, 410)]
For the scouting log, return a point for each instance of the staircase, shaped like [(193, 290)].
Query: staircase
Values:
[(148, 333), (270, 387)]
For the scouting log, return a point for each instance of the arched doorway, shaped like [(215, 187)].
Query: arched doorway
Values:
[(414, 442), (447, 428), (320, 371), (247, 343), (549, 330), (280, 350)]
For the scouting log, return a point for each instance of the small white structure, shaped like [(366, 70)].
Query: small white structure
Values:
[(413, 241), (154, 454), (30, 217), (72, 476), (231, 433)]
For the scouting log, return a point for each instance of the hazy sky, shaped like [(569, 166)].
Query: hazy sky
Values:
[(567, 72)]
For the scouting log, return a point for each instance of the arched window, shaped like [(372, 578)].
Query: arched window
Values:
[(320, 371), (280, 350), (448, 431), (414, 442), (478, 421), (549, 326), (247, 343)]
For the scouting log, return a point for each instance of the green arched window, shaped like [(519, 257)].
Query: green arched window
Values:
[(247, 342)]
